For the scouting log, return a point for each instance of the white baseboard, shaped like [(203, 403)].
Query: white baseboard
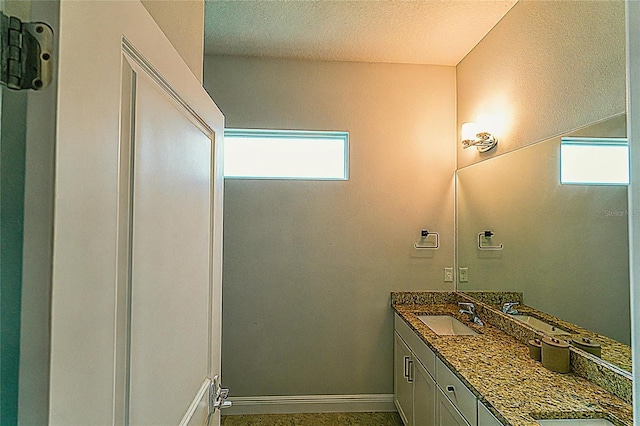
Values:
[(310, 404)]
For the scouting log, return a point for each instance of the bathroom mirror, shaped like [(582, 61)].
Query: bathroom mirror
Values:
[(565, 247)]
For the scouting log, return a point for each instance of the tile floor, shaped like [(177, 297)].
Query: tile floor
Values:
[(319, 419)]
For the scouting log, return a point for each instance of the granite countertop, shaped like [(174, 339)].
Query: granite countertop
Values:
[(613, 352), (498, 370)]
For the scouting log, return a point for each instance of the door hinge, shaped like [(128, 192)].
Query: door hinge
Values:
[(26, 53)]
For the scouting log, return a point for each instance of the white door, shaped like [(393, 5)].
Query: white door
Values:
[(136, 296)]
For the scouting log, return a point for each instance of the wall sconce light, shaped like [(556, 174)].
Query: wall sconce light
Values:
[(478, 134)]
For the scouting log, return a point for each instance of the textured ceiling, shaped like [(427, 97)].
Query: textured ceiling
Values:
[(439, 32)]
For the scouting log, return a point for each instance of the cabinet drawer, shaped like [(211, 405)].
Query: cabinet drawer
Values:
[(457, 392), (419, 348)]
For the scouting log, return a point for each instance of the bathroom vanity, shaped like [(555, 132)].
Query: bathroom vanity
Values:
[(426, 391), (486, 378)]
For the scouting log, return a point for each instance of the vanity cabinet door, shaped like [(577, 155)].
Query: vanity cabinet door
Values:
[(402, 380), (486, 417), (424, 397), (446, 413)]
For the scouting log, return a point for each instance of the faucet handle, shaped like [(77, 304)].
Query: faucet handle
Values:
[(508, 307), (468, 306)]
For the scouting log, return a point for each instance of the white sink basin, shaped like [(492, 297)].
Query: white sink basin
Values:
[(446, 325), (541, 326), (575, 422)]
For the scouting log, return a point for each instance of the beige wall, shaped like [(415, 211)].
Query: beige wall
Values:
[(308, 266), (183, 24), (548, 67)]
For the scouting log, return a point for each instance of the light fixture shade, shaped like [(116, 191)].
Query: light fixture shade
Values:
[(486, 123), (479, 134), (469, 131)]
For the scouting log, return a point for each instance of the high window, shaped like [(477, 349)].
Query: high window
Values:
[(286, 154)]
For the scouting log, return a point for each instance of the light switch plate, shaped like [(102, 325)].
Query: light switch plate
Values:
[(464, 275), (448, 275)]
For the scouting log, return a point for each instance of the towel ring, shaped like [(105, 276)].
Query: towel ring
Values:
[(423, 236), (487, 235)]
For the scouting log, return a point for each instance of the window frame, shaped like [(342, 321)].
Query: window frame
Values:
[(293, 134)]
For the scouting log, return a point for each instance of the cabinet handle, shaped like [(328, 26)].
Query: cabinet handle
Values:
[(410, 377), (406, 369), (451, 389)]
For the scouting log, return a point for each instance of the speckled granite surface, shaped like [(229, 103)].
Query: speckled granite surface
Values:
[(498, 370), (611, 372), (496, 298), (613, 352), (423, 297)]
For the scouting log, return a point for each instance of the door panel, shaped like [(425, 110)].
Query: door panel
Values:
[(170, 289), (424, 396), (135, 323), (403, 389)]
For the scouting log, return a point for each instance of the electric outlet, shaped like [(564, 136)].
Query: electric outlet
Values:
[(464, 275), (448, 275)]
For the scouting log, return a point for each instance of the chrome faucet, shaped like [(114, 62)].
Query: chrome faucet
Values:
[(509, 308), (470, 309)]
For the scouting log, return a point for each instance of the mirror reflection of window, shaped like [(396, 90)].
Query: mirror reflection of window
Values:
[(594, 161)]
